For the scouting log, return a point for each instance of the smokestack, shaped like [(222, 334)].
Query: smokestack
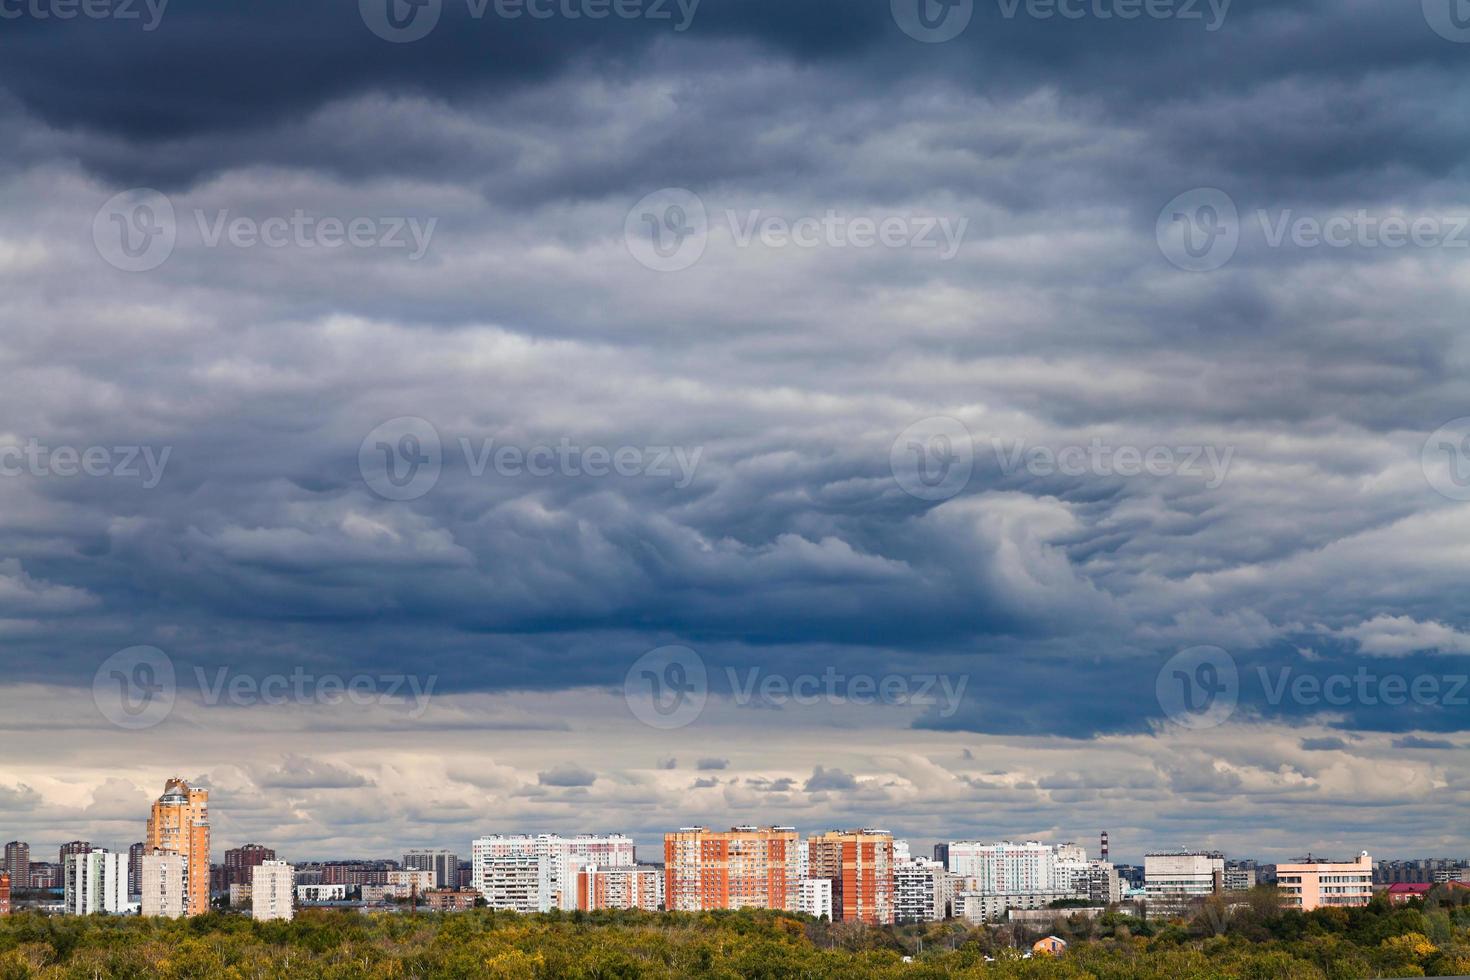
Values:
[(1104, 845)]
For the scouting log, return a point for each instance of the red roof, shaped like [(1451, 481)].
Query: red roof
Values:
[(1409, 888)]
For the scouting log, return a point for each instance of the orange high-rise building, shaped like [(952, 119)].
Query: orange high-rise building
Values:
[(179, 824), (4, 894), (859, 864), (745, 867)]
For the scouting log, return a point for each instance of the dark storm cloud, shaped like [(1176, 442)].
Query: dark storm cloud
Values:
[(1319, 553)]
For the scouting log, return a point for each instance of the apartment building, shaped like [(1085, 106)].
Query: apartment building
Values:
[(180, 823), (565, 856), (516, 883), (17, 863), (272, 891), (637, 887), (1312, 884), (1172, 881), (4, 893), (859, 863), (165, 884), (1005, 867), (443, 863), (744, 867), (923, 891), (814, 897), (95, 882), (241, 862), (1096, 881)]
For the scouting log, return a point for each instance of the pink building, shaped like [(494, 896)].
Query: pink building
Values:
[(1319, 884)]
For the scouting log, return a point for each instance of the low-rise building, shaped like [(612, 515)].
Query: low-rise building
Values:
[(979, 908), (451, 899), (1312, 884), (321, 894)]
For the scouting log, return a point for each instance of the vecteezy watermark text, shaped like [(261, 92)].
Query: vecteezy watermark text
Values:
[(669, 687), (138, 231), (406, 21), (148, 12), (763, 688), (1200, 688), (403, 458), (937, 21), (934, 459), (1201, 230), (145, 463), (670, 230), (1102, 459), (137, 688)]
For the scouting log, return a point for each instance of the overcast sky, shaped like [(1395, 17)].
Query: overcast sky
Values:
[(1089, 380)]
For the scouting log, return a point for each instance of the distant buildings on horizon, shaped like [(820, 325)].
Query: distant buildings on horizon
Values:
[(861, 875)]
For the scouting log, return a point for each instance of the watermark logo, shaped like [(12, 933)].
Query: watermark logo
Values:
[(138, 230), (668, 230), (667, 688), (932, 21), (401, 21), (1445, 459), (401, 459), (1450, 19), (135, 231), (1199, 231), (1199, 688), (224, 686), (148, 12), (933, 459), (135, 688)]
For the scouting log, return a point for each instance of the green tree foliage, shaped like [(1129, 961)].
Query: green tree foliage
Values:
[(1236, 937)]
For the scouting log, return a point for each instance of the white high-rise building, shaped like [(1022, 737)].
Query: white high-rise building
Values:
[(922, 891), (1004, 868), (516, 883), (814, 897), (565, 856), (1172, 881), (96, 883), (273, 891), (444, 864), (163, 877)]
